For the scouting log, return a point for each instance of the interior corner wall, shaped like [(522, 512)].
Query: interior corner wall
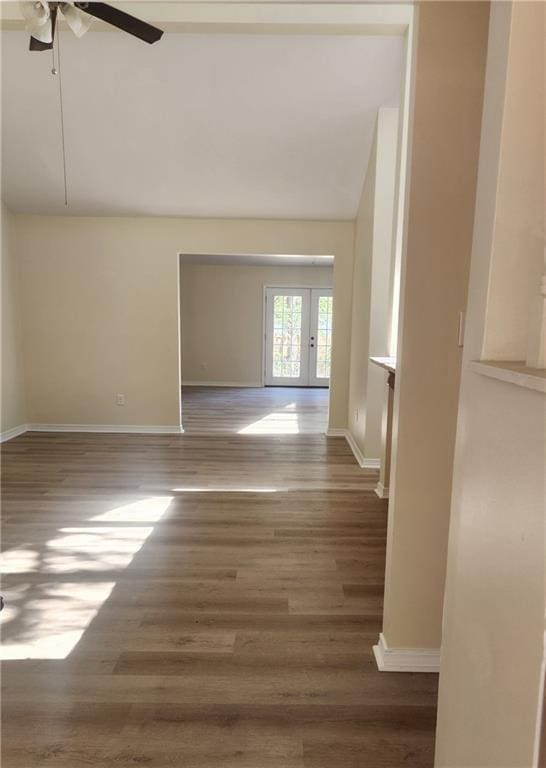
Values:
[(99, 300), (221, 311), (381, 285), (448, 81), (492, 643), (372, 286), (13, 406), (361, 292)]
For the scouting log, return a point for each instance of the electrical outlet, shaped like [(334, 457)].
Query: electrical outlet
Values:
[(120, 399)]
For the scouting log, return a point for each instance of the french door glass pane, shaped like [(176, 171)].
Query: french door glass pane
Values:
[(324, 337), (287, 336)]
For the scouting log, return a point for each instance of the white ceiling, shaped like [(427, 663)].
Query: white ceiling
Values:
[(272, 126)]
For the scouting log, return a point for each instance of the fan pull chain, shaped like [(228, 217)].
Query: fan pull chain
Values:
[(54, 70), (57, 70)]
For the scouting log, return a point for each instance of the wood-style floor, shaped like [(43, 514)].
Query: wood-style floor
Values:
[(198, 602), (254, 410)]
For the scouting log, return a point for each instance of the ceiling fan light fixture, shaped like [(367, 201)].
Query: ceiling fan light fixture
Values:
[(78, 21), (37, 16), (40, 17)]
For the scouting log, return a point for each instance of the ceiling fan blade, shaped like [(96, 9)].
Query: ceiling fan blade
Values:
[(78, 21), (45, 40), (37, 45), (122, 20), (37, 16)]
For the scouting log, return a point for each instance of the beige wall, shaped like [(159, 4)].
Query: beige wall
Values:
[(518, 250), (494, 605), (381, 288), (100, 317), (12, 381), (221, 309), (451, 43), (372, 286), (100, 309), (361, 305)]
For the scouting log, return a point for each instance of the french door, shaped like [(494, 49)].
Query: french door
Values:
[(298, 336)]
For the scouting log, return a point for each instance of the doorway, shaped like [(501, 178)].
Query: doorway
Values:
[(298, 336)]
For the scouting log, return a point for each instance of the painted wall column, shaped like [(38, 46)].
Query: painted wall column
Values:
[(493, 625), (451, 47)]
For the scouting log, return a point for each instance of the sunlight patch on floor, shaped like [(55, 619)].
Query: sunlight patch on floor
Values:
[(56, 619), (226, 489), (46, 619), (94, 548), (146, 510), (19, 560), (285, 422)]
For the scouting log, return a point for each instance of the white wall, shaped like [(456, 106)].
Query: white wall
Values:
[(372, 287), (13, 408), (100, 309), (221, 310), (492, 644)]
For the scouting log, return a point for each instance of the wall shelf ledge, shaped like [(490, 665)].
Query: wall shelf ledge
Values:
[(513, 372)]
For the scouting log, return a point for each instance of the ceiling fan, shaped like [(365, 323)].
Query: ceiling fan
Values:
[(41, 19)]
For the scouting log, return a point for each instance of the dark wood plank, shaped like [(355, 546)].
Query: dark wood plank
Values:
[(207, 601)]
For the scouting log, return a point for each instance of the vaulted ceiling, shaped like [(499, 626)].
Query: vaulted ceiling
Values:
[(209, 125)]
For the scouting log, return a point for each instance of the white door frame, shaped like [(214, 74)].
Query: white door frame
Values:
[(289, 381), (284, 286), (314, 380)]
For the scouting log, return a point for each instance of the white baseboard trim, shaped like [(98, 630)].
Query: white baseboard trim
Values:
[(9, 434), (116, 428), (359, 456), (382, 491), (363, 462), (405, 659), (252, 384)]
